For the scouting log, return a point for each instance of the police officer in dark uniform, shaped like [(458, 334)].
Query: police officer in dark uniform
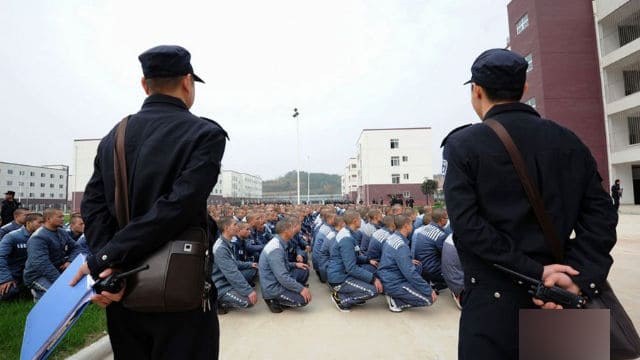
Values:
[(493, 222), (173, 161), (8, 206)]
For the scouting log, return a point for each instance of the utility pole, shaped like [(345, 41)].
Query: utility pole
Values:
[(295, 116)]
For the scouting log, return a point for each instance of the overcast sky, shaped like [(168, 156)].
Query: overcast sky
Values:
[(69, 71)]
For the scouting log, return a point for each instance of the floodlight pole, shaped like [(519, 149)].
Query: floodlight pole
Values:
[(295, 116)]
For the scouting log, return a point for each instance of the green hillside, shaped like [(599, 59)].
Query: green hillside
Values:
[(321, 184)]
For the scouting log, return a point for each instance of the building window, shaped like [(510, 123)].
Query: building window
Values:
[(31, 195), (61, 186), (10, 171), (634, 129), (405, 176), (354, 176), (42, 175), (406, 194), (61, 177), (61, 196), (21, 194), (20, 183), (353, 166), (32, 173), (42, 184), (631, 81), (42, 195), (9, 182), (52, 185), (395, 178), (32, 184), (52, 176), (51, 195), (405, 158), (629, 29), (21, 172), (395, 161), (529, 59), (531, 102), (522, 24), (395, 143)]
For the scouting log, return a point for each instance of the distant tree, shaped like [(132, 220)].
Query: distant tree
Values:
[(429, 188)]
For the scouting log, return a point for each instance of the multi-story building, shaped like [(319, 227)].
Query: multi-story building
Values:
[(393, 163), (36, 187), (237, 185), (230, 185), (350, 180), (618, 29), (84, 153), (558, 39)]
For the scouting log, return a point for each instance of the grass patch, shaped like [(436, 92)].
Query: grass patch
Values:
[(91, 326)]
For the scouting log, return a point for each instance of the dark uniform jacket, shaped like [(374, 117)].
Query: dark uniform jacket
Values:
[(173, 162), (493, 222), (490, 214), (6, 210)]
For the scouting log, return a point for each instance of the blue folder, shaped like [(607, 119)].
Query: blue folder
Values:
[(54, 314)]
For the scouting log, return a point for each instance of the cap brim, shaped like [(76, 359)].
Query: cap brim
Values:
[(197, 78), (468, 82)]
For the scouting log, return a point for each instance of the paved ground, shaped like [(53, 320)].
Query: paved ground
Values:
[(320, 331)]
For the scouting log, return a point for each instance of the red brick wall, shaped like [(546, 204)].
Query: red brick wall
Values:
[(565, 79)]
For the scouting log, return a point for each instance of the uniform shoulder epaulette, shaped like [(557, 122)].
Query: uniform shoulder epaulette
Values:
[(218, 125), (444, 141)]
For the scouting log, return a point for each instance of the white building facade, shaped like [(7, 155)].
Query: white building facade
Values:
[(237, 185), (36, 187), (393, 163), (350, 179), (618, 30)]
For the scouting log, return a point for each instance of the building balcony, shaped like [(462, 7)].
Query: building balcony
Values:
[(623, 104), (618, 24), (620, 54), (627, 154)]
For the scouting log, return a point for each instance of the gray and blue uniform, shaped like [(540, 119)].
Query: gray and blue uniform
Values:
[(417, 223), (238, 246), (13, 255), (278, 277), (5, 229), (297, 246), (83, 246), (73, 235), (366, 231), (399, 276), (47, 250), (254, 244), (352, 281), (318, 240), (374, 252), (233, 288), (427, 248), (325, 254), (451, 266)]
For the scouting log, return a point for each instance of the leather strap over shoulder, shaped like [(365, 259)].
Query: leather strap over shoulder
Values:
[(120, 174), (529, 187)]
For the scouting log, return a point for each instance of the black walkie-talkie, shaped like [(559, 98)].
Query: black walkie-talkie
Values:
[(558, 295), (113, 282)]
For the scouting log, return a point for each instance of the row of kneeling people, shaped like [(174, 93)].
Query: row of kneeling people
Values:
[(355, 273), (35, 249)]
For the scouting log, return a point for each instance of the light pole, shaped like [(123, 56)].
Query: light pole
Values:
[(308, 180), (295, 116)]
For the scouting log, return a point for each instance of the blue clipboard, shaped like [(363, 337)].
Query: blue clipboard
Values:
[(55, 313)]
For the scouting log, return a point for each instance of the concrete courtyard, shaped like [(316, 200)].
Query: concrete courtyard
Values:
[(320, 331)]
